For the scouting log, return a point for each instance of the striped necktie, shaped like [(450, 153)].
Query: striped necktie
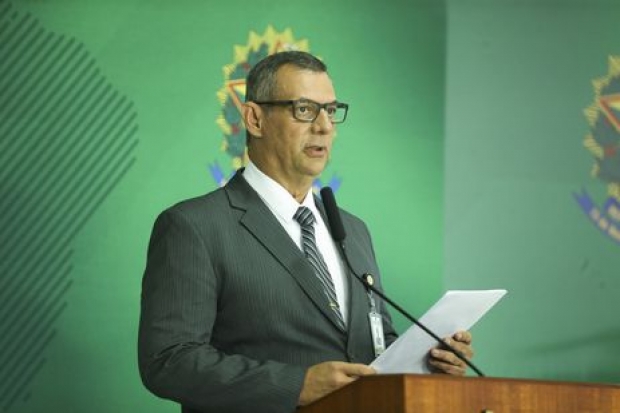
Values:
[(306, 220)]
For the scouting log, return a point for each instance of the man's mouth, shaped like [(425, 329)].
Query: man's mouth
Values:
[(315, 151)]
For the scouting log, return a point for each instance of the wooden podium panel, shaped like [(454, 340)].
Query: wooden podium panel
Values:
[(447, 394)]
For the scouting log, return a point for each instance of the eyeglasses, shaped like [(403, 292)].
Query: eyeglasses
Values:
[(306, 110)]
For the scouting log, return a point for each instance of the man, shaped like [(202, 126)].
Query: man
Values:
[(245, 307)]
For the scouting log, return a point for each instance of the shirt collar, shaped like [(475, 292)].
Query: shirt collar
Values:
[(278, 199)]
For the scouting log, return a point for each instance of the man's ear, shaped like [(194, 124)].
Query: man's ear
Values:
[(253, 119)]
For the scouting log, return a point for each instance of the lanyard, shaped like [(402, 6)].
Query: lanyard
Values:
[(376, 326)]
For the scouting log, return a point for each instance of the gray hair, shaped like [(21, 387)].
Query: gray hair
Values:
[(261, 83)]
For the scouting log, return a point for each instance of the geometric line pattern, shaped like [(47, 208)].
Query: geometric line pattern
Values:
[(67, 138)]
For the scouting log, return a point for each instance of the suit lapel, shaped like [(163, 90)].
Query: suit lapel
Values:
[(262, 224)]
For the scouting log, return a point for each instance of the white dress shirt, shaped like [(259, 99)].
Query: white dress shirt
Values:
[(283, 206)]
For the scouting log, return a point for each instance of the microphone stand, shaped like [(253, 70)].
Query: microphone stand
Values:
[(339, 235), (367, 281)]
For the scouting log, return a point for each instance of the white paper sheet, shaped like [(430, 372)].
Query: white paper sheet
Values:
[(455, 311)]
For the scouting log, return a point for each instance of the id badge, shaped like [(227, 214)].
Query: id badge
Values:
[(376, 329)]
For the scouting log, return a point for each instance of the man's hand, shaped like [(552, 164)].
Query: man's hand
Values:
[(324, 378), (444, 361)]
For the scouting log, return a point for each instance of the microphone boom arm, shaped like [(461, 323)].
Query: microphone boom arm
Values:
[(364, 280), (339, 235)]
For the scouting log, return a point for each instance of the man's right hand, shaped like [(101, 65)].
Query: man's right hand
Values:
[(324, 378)]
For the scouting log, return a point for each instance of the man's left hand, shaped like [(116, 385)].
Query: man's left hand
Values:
[(444, 361)]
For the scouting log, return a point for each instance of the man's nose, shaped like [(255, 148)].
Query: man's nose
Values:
[(322, 123)]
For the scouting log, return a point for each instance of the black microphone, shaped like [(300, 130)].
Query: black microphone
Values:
[(333, 215), (338, 234)]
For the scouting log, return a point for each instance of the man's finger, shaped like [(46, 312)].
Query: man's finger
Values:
[(357, 370), (448, 368), (464, 349), (463, 337), (447, 357)]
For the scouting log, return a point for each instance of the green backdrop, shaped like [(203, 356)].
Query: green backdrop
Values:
[(519, 78), (110, 117), (463, 152)]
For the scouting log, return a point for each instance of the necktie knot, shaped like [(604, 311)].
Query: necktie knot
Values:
[(304, 216)]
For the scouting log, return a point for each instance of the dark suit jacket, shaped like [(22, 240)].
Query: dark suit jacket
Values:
[(232, 313)]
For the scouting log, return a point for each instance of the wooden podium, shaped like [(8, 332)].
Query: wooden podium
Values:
[(412, 393)]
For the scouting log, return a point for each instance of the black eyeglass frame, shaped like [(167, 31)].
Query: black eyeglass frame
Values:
[(295, 102)]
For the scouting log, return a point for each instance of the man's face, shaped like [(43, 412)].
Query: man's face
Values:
[(294, 151)]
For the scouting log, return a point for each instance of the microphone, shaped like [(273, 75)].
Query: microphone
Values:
[(338, 235), (333, 215)]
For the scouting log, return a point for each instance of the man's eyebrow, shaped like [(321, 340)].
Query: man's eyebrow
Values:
[(312, 100)]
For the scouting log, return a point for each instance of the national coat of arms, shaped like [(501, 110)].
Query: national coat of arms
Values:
[(603, 142)]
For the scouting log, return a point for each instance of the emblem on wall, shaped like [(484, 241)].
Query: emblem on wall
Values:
[(232, 96), (603, 142)]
